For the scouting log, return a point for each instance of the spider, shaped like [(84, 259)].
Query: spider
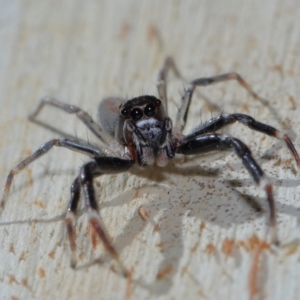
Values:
[(139, 131)]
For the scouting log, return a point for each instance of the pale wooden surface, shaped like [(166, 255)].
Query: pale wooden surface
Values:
[(202, 240)]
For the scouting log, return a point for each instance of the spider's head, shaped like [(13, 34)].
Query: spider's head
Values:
[(142, 108), (147, 128)]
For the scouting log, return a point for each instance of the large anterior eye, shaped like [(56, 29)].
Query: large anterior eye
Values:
[(124, 112), (149, 110), (136, 114)]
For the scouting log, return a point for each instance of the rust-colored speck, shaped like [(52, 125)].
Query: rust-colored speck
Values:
[(210, 249), (184, 270), (293, 102), (12, 279), (136, 194), (124, 30), (255, 242), (129, 284), (242, 244), (143, 213), (14, 298), (41, 272), (24, 282), (51, 254), (245, 107), (22, 256), (288, 162), (292, 249), (39, 204), (113, 269), (156, 228), (27, 152), (29, 174), (277, 68), (194, 249), (12, 248), (164, 272), (227, 247), (258, 247), (160, 245), (202, 226), (154, 35)]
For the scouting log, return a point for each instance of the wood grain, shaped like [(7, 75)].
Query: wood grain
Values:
[(187, 231)]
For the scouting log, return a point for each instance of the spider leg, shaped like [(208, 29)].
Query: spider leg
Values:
[(169, 64), (72, 109), (101, 165), (216, 142), (84, 148), (70, 218), (189, 90), (219, 122)]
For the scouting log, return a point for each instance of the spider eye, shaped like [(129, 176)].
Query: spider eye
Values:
[(149, 110), (136, 114), (157, 102), (124, 112)]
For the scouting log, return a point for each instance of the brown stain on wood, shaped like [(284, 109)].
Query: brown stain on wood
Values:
[(41, 272), (129, 290), (162, 273), (227, 247), (51, 254), (12, 279), (143, 213), (22, 256), (258, 247), (39, 204), (210, 249), (11, 248)]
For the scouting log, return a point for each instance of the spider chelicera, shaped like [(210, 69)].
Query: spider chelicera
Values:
[(139, 131)]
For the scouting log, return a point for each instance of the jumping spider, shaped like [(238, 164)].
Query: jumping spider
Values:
[(139, 131)]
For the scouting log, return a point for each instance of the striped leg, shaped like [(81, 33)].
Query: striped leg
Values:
[(101, 165), (217, 123), (189, 90), (169, 64), (72, 109), (216, 142)]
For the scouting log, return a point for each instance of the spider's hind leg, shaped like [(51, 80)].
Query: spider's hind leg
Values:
[(182, 114)]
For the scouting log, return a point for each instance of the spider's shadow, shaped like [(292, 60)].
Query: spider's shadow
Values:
[(210, 206)]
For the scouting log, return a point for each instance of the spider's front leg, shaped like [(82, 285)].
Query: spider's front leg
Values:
[(72, 109), (217, 142), (74, 145), (100, 165)]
